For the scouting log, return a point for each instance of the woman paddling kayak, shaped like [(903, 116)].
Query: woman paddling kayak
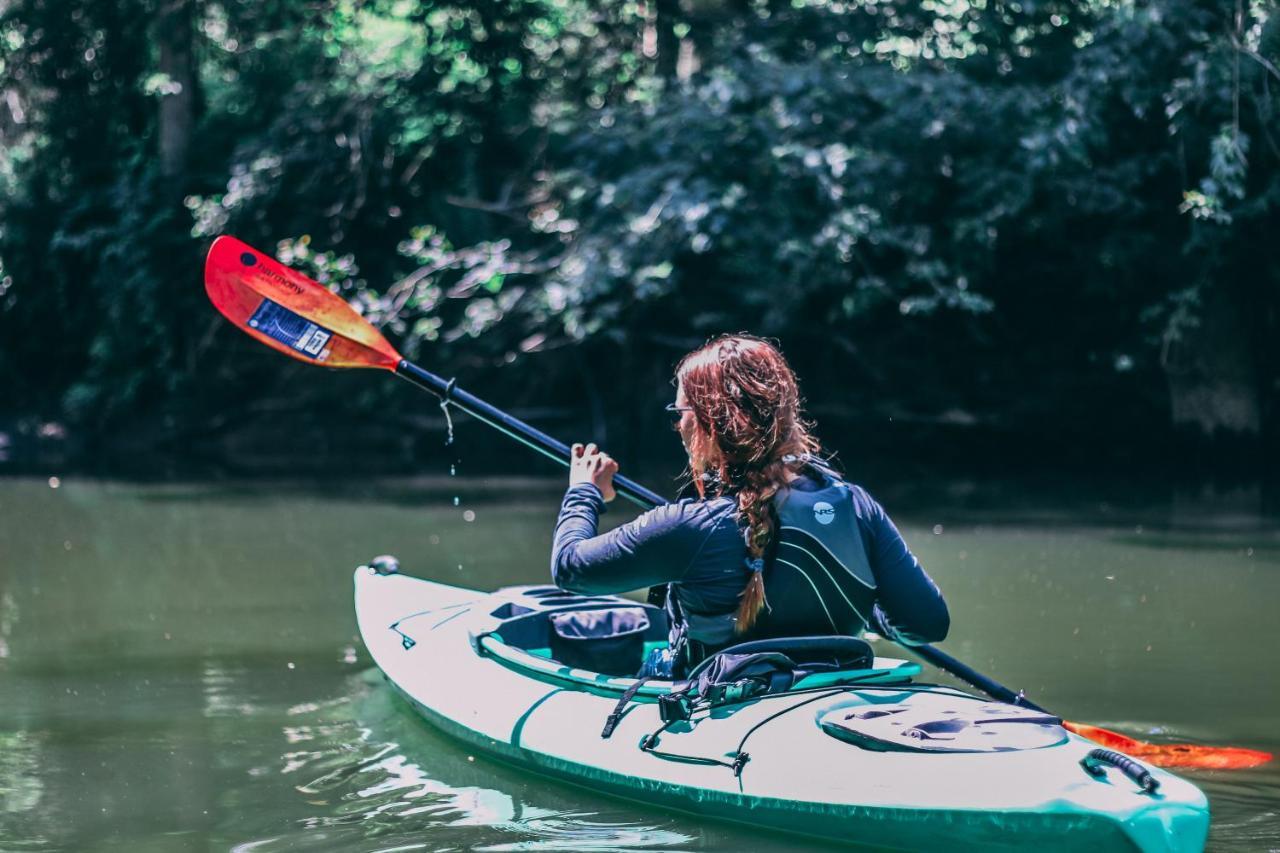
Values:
[(775, 544)]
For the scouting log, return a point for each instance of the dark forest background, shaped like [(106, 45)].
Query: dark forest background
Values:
[(987, 233)]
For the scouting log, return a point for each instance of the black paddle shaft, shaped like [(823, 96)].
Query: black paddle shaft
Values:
[(535, 439), (994, 689)]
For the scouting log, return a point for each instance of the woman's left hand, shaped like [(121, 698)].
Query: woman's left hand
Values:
[(589, 465)]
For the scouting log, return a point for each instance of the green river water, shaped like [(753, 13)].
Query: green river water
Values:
[(180, 670)]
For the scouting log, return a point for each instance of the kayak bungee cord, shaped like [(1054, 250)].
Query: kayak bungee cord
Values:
[(289, 312), (741, 758)]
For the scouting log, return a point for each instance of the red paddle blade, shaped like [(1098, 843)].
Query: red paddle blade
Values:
[(289, 312), (1174, 754)]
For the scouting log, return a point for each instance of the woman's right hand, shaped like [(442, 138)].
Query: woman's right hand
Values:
[(587, 464)]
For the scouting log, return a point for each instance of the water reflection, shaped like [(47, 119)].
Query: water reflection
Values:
[(188, 674), (20, 785), (426, 792)]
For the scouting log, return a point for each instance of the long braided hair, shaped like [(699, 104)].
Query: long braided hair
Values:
[(750, 432)]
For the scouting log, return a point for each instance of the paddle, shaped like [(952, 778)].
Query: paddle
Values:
[(1160, 754), (305, 320)]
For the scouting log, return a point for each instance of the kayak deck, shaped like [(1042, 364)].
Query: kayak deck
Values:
[(444, 649)]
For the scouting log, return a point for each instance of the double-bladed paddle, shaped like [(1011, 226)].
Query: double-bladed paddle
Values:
[(305, 320)]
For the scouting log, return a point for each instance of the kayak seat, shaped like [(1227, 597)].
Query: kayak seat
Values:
[(517, 630)]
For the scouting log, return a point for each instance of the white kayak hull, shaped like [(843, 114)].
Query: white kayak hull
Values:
[(432, 643)]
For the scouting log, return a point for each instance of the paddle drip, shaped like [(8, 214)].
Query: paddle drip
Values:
[(448, 423)]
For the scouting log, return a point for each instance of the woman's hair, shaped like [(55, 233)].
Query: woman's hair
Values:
[(750, 429)]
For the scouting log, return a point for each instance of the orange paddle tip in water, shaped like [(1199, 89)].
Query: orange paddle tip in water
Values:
[(1185, 755)]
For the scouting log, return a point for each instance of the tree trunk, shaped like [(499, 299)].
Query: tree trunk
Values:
[(1213, 381), (666, 14), (178, 96)]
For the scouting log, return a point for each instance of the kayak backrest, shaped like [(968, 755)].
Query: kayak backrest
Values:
[(810, 654), (764, 667)]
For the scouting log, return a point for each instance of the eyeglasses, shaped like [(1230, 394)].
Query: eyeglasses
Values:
[(676, 413)]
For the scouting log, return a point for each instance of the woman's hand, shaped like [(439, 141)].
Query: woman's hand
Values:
[(589, 465)]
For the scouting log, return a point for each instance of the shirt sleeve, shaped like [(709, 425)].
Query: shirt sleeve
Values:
[(910, 608), (655, 548)]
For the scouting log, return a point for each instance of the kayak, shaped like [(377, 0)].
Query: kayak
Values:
[(865, 756)]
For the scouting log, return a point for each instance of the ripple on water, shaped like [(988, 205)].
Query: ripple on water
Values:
[(372, 776)]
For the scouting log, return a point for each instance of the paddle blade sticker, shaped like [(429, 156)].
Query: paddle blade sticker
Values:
[(289, 312), (278, 322)]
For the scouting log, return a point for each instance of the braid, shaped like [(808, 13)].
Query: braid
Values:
[(755, 504)]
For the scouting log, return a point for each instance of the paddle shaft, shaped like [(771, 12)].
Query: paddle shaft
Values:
[(535, 439), (967, 674)]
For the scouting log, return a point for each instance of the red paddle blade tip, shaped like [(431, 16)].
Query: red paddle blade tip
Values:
[(1184, 755), (289, 312)]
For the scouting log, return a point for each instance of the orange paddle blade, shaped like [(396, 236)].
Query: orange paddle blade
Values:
[(1173, 754), (289, 312)]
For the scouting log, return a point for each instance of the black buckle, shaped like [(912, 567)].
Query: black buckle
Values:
[(674, 707)]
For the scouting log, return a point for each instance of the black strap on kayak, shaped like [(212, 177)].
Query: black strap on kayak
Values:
[(615, 716)]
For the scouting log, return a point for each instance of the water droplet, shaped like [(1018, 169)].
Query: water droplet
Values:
[(456, 500), (292, 665), (453, 470), (54, 482), (469, 516), (937, 530), (448, 422)]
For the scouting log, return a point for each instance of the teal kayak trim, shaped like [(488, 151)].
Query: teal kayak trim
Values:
[(887, 670), (1052, 832)]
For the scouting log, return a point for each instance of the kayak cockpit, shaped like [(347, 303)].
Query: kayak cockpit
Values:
[(519, 632)]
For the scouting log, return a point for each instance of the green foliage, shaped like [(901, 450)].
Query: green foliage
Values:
[(1008, 207)]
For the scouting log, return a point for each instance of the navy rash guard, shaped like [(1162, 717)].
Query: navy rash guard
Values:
[(697, 546)]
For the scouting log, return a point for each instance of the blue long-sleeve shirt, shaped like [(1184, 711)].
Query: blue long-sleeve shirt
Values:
[(697, 546)]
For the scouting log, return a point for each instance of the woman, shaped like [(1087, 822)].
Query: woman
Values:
[(775, 544)]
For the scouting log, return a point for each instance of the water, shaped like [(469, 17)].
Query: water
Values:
[(179, 667)]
